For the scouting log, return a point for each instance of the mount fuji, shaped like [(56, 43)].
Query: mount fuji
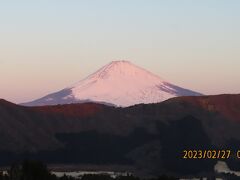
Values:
[(119, 83)]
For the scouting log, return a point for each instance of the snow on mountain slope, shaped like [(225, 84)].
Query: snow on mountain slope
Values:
[(119, 83)]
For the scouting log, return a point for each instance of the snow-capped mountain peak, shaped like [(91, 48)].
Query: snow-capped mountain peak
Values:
[(120, 68), (119, 83)]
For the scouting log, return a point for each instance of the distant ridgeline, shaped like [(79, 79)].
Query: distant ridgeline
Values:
[(146, 139)]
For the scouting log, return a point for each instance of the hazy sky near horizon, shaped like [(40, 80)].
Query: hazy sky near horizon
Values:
[(48, 45)]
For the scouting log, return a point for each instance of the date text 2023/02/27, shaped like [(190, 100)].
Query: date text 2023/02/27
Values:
[(210, 154)]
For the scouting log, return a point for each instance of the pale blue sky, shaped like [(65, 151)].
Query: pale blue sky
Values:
[(50, 44)]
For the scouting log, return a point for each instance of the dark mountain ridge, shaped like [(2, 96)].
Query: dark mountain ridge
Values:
[(149, 138)]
